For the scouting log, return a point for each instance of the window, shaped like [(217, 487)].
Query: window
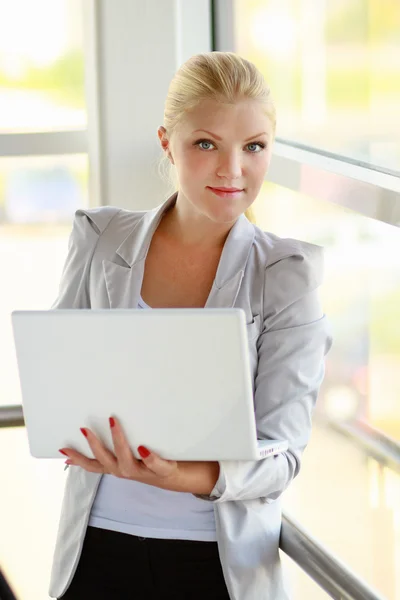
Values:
[(333, 67), (348, 502), (41, 66), (43, 180)]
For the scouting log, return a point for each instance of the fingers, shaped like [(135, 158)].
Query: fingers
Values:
[(104, 456), (104, 461), (157, 465), (77, 459), (122, 463), (127, 463)]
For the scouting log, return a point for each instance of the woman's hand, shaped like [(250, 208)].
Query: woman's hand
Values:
[(152, 470), (183, 476)]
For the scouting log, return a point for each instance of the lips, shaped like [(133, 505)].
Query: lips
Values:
[(231, 193), (223, 189)]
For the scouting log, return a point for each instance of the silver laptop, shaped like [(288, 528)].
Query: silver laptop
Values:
[(179, 380)]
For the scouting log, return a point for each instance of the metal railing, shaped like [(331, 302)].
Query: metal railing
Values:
[(372, 441), (333, 576), (11, 416)]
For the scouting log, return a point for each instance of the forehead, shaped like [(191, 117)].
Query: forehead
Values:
[(243, 119)]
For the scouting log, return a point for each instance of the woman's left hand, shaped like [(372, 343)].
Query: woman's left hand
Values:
[(152, 469)]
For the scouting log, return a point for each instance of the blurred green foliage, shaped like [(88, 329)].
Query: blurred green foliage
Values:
[(345, 88), (347, 23), (362, 21), (385, 322), (348, 89), (63, 79)]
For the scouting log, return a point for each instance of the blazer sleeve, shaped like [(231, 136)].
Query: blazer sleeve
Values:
[(291, 349), (87, 228)]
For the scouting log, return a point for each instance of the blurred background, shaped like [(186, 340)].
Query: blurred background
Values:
[(76, 130)]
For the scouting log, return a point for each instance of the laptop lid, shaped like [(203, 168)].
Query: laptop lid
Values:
[(178, 379)]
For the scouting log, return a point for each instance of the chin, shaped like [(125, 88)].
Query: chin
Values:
[(218, 210), (225, 216)]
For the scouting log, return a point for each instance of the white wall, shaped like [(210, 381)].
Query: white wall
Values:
[(134, 49)]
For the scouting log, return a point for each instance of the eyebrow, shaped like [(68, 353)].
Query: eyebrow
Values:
[(219, 138)]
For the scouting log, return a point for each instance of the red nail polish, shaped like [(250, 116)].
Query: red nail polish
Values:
[(144, 453), (62, 452), (84, 431), (112, 422)]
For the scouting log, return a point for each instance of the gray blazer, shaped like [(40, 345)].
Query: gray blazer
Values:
[(275, 281)]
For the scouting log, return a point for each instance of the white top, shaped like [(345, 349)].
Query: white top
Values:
[(147, 511)]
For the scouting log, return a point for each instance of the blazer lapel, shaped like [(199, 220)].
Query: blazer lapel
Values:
[(124, 277), (123, 283), (232, 264)]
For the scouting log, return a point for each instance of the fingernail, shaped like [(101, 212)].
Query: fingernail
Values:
[(144, 453), (63, 452), (68, 462), (84, 431), (112, 422)]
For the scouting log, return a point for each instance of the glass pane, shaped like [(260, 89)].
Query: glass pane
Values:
[(38, 197), (334, 70), (344, 499), (41, 66), (351, 505), (31, 498), (42, 189)]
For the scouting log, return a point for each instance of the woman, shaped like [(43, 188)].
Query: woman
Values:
[(162, 529)]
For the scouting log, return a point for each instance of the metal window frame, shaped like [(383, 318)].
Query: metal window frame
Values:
[(333, 179), (43, 144)]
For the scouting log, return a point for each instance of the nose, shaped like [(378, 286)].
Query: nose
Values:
[(229, 166)]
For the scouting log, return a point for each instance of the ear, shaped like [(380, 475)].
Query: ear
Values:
[(162, 135)]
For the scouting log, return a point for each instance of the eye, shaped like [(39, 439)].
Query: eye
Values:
[(202, 143), (199, 142), (259, 144)]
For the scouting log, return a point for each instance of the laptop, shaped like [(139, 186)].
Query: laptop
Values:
[(179, 380)]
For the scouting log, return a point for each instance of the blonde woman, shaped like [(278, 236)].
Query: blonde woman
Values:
[(186, 530)]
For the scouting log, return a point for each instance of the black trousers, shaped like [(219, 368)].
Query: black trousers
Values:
[(118, 566)]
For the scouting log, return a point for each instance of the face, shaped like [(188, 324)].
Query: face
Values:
[(216, 147)]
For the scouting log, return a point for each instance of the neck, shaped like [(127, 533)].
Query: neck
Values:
[(193, 230)]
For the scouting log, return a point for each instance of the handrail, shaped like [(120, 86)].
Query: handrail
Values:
[(321, 565), (310, 555), (11, 416), (375, 443)]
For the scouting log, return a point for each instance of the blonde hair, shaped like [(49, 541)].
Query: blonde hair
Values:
[(222, 76)]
